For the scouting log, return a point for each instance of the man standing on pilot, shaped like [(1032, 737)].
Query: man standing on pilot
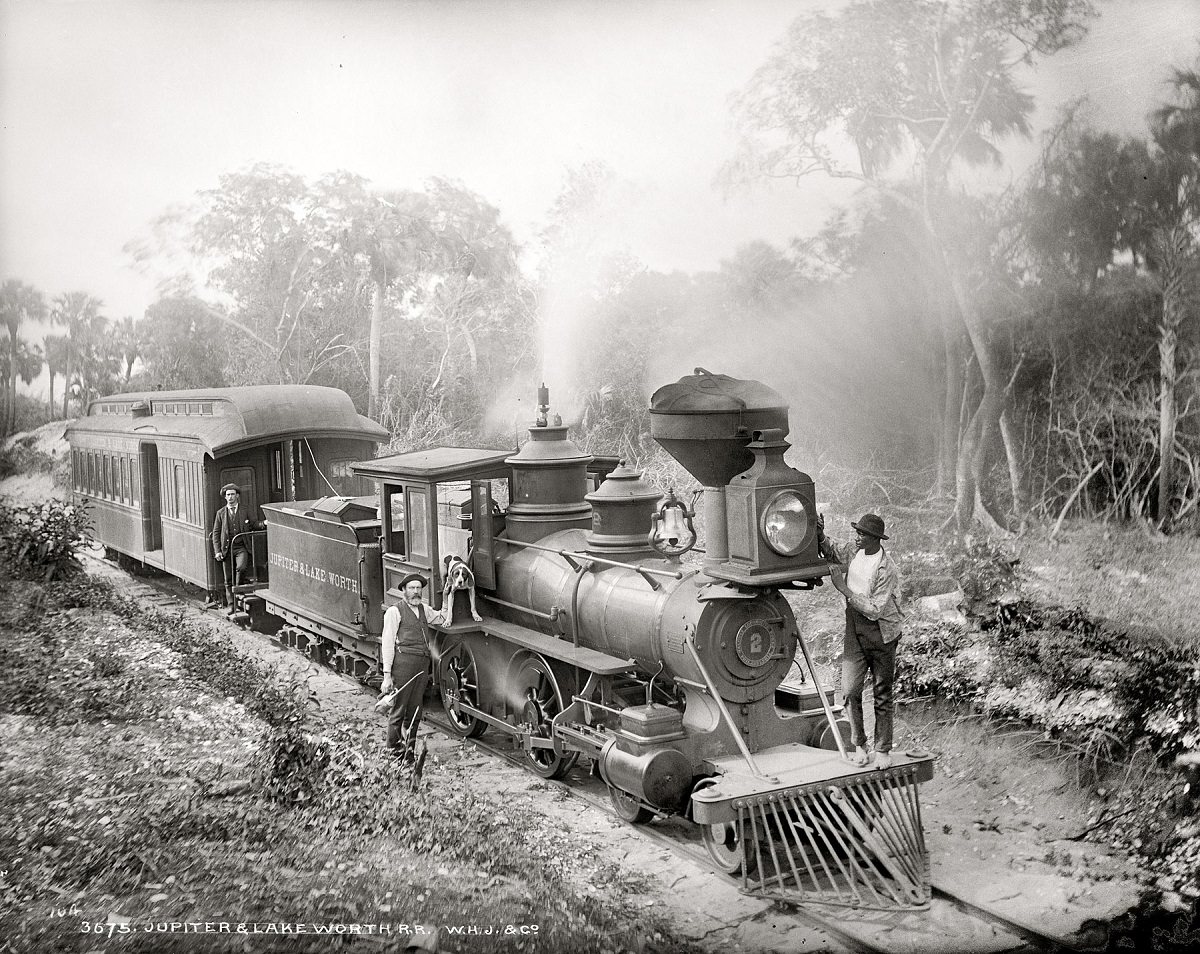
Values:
[(869, 580), (405, 658)]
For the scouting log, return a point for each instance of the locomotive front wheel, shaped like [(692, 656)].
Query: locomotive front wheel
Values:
[(724, 845), (727, 850), (628, 807), (825, 739), (458, 680), (542, 700)]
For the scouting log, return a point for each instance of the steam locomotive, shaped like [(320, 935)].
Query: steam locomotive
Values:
[(597, 642)]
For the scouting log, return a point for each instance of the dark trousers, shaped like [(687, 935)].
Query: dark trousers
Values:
[(865, 650), (410, 674), (234, 566)]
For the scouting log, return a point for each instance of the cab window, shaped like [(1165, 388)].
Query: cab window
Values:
[(396, 521)]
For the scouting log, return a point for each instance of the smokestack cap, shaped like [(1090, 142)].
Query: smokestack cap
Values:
[(703, 392), (706, 420)]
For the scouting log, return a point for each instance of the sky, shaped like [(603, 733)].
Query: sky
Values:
[(112, 111)]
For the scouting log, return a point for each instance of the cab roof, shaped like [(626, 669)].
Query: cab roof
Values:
[(437, 464)]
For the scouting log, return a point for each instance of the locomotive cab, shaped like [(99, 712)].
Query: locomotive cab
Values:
[(429, 502)]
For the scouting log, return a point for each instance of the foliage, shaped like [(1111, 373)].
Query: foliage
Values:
[(295, 763), (985, 568), (932, 661), (328, 281), (93, 353), (918, 89), (183, 344), (39, 541), (1068, 672), (1099, 688), (20, 304), (21, 454), (136, 823), (1160, 690)]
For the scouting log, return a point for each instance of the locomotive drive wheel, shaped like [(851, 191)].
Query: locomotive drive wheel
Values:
[(458, 679), (628, 807), (543, 700)]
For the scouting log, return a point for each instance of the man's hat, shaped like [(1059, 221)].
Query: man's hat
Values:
[(414, 576), (871, 523), (234, 487)]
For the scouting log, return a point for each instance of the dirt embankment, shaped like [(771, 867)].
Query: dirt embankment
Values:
[(34, 466)]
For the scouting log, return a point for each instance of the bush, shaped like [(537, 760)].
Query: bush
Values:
[(39, 541), (1160, 692), (932, 661), (985, 569)]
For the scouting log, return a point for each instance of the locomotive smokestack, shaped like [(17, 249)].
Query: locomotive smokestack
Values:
[(549, 480)]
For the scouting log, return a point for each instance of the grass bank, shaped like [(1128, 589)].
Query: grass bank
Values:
[(153, 778)]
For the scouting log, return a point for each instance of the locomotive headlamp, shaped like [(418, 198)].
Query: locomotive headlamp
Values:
[(770, 522), (672, 532), (784, 523)]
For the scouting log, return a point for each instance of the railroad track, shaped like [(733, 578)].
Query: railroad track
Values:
[(953, 923), (854, 933)]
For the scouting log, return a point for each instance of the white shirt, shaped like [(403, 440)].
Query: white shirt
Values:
[(862, 571)]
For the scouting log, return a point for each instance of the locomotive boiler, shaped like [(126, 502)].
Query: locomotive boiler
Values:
[(599, 643)]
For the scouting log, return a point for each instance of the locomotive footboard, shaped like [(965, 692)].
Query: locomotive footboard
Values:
[(840, 836)]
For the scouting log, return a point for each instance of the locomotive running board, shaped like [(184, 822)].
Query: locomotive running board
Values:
[(853, 839)]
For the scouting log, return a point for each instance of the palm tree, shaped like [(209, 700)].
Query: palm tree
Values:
[(56, 361), (27, 367), (129, 343), (19, 305), (1173, 206), (389, 237), (77, 312)]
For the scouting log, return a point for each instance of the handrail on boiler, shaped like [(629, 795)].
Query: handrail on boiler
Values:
[(575, 554)]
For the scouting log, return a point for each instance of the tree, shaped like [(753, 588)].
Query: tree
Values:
[(26, 367), (259, 243), (20, 304), (97, 362), (79, 313), (128, 344), (1079, 210), (55, 347), (384, 240), (183, 345), (1175, 127), (929, 82)]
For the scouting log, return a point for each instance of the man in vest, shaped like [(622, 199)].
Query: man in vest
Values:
[(231, 550), (405, 660), (868, 578)]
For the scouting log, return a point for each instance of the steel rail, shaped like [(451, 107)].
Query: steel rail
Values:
[(1021, 929)]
